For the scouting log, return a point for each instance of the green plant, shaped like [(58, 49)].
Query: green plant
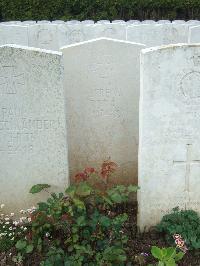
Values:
[(80, 226), (166, 256), (183, 222)]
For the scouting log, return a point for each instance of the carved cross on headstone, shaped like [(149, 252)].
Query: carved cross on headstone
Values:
[(188, 163)]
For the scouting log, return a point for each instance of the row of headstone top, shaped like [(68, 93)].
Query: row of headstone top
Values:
[(53, 35)]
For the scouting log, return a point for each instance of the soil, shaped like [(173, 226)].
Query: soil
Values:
[(139, 246)]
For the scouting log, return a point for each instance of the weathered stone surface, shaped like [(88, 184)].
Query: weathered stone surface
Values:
[(158, 34), (43, 36), (73, 33), (194, 34), (148, 34), (33, 146), (169, 153), (13, 34), (107, 30), (102, 103)]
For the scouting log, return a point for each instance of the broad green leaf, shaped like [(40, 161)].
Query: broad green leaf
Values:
[(39, 187), (105, 221), (170, 262), (29, 248), (43, 206), (170, 253), (21, 244), (116, 197), (179, 256), (81, 221), (71, 190), (83, 190), (79, 204), (156, 252)]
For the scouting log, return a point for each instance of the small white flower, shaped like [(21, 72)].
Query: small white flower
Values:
[(7, 219), (47, 234), (2, 206), (10, 228), (7, 223), (22, 211), (12, 214), (25, 228), (12, 239), (29, 220)]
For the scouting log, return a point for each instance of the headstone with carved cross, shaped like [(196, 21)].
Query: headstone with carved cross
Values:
[(169, 153), (33, 146), (43, 36), (102, 105)]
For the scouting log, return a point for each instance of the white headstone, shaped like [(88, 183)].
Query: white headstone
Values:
[(102, 104), (87, 22), (120, 21), (28, 22), (12, 22), (43, 36), (132, 21), (33, 146), (162, 21), (72, 22), (194, 34), (148, 21), (193, 22), (58, 22), (74, 33), (109, 30), (103, 21), (178, 21), (148, 34), (43, 22), (169, 149), (13, 34)]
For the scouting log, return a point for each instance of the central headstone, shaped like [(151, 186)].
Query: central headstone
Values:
[(33, 146), (169, 153), (102, 96)]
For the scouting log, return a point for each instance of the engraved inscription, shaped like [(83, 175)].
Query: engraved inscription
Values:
[(190, 85), (109, 32), (18, 133), (10, 82), (188, 163), (105, 102), (76, 36), (44, 37)]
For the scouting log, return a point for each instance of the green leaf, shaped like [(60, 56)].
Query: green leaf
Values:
[(71, 190), (29, 248), (156, 252), (105, 221), (43, 206), (39, 187), (116, 197), (170, 262), (83, 190), (21, 244), (170, 253), (79, 204), (132, 188), (179, 256), (81, 221)]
